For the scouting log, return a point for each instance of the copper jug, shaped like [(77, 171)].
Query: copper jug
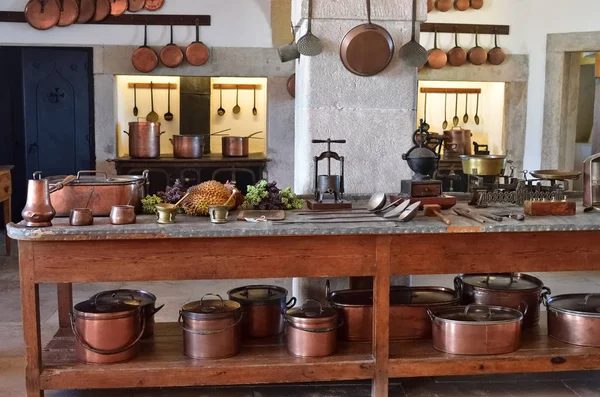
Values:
[(38, 211)]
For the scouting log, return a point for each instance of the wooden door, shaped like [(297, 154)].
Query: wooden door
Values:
[(57, 88)]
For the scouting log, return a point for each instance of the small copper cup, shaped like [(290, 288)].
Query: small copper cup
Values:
[(122, 214), (81, 217)]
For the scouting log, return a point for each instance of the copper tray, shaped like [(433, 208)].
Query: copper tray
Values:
[(69, 11), (42, 14), (555, 174), (87, 9), (136, 5), (102, 10)]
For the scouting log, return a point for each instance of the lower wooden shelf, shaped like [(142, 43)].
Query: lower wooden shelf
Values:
[(163, 364), (538, 353)]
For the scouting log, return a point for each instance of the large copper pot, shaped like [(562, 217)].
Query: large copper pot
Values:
[(476, 329), (211, 328), (574, 318), (105, 192), (107, 333), (312, 330), (263, 308), (188, 146), (514, 290), (458, 142), (145, 300), (144, 139), (408, 311)]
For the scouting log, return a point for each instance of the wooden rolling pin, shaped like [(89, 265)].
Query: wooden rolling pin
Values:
[(435, 210)]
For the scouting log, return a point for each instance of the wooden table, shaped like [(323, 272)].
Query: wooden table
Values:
[(193, 249), (5, 196)]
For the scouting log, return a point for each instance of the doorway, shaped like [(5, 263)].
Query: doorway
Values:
[(48, 103)]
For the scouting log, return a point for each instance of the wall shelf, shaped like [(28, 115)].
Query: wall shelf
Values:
[(128, 19), (433, 90), (155, 86), (237, 86), (465, 28)]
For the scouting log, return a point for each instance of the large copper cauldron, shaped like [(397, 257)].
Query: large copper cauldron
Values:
[(144, 139), (107, 333)]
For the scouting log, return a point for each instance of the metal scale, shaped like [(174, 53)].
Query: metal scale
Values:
[(329, 184)]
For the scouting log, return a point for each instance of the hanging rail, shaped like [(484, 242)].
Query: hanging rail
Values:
[(465, 28), (237, 86), (433, 90), (127, 19), (155, 86)]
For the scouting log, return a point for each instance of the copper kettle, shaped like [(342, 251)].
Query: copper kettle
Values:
[(38, 211)]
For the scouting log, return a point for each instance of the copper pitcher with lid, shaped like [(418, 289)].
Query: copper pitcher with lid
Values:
[(38, 211)]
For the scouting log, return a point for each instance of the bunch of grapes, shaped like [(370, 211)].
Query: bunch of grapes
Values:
[(173, 194), (267, 196)]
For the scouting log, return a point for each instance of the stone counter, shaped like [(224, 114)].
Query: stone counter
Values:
[(198, 227)]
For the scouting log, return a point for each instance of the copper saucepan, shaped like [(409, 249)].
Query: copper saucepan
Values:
[(236, 146), (145, 59), (437, 58)]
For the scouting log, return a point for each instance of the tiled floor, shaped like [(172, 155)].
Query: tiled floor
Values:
[(173, 294)]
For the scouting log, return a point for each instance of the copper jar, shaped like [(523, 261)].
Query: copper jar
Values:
[(458, 142), (211, 328), (574, 318), (144, 299), (476, 329), (107, 333), (263, 309), (312, 330), (514, 290), (144, 139), (408, 311)]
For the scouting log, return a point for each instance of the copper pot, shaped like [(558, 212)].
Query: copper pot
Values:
[(574, 318), (81, 217), (437, 58), (188, 146), (513, 290), (408, 311), (476, 329), (38, 210), (144, 139), (107, 192), (458, 142), (477, 55), (236, 146), (263, 308), (312, 330), (211, 328), (107, 333), (122, 215), (145, 300)]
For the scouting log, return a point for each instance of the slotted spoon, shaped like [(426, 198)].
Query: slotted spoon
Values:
[(309, 45)]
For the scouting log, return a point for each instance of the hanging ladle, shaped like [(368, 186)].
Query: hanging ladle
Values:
[(455, 119), (169, 115), (477, 111), (221, 111), (466, 116), (254, 111), (236, 108), (445, 123), (135, 108)]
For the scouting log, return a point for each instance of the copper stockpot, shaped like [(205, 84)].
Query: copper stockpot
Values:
[(476, 329), (211, 328), (107, 333), (144, 139), (512, 290), (263, 309), (188, 146), (237, 146), (574, 318), (458, 142), (312, 330), (408, 311), (107, 192), (145, 300)]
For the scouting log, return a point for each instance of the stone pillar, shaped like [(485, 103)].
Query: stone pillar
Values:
[(375, 115)]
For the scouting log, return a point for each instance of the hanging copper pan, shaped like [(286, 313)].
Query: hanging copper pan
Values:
[(437, 58), (367, 49), (118, 7), (291, 85), (136, 5), (197, 53), (171, 55), (69, 11), (87, 9), (154, 5), (42, 14), (477, 55), (144, 59), (102, 10)]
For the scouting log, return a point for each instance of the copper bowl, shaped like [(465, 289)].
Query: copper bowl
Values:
[(122, 215), (81, 217)]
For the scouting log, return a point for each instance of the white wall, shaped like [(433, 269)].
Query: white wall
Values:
[(235, 23)]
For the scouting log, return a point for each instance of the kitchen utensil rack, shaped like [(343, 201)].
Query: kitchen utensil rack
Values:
[(433, 90), (127, 19), (465, 28), (156, 86), (237, 86)]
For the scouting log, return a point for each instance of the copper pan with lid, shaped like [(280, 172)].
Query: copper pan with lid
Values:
[(312, 330), (574, 318)]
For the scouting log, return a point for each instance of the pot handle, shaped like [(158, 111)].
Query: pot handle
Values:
[(91, 172), (157, 309), (210, 294), (431, 314), (512, 277), (474, 305), (587, 297), (525, 308), (126, 132), (544, 295), (291, 303), (171, 140), (206, 332), (160, 133), (327, 290), (112, 294), (312, 300), (458, 287), (107, 352)]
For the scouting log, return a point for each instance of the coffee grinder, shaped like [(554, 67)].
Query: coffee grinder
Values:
[(423, 161), (591, 183), (328, 184)]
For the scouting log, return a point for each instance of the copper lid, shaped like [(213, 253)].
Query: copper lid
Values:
[(258, 295), (128, 296), (42, 14), (106, 310), (478, 314), (399, 296), (581, 304), (154, 5), (309, 313), (211, 309), (502, 281)]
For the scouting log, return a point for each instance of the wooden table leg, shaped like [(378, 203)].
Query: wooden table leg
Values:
[(65, 303), (7, 219), (30, 307), (381, 317)]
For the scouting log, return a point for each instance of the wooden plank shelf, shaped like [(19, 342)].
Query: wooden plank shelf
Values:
[(538, 353), (260, 361)]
